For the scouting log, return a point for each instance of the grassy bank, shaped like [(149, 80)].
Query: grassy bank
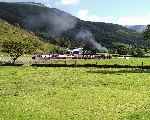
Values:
[(31, 93)]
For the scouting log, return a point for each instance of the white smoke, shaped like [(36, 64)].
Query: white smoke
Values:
[(62, 23), (56, 22), (87, 36)]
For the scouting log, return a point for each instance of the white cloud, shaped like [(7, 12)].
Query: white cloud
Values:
[(85, 15), (70, 2), (134, 20)]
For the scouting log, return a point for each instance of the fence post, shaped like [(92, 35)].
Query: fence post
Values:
[(75, 63), (142, 65)]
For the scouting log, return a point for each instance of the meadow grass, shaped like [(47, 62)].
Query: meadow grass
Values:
[(34, 93)]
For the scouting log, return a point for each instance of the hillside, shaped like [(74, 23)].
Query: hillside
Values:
[(10, 32), (15, 33), (138, 28), (50, 23)]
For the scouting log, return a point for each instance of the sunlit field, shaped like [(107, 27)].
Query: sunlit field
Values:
[(34, 93), (74, 60)]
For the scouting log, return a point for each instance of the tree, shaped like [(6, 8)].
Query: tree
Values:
[(147, 36), (62, 42), (140, 52), (121, 48), (137, 52), (17, 48)]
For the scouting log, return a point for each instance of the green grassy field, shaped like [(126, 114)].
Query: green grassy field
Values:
[(131, 61), (32, 93)]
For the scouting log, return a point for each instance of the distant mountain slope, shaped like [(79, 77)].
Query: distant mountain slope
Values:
[(50, 23), (138, 28)]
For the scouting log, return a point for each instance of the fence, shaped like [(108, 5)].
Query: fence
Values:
[(142, 63)]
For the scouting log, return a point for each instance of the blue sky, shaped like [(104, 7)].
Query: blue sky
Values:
[(124, 12)]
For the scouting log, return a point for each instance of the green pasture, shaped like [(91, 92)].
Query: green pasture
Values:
[(114, 61), (34, 93)]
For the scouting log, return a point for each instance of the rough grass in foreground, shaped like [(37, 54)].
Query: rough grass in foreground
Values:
[(31, 93)]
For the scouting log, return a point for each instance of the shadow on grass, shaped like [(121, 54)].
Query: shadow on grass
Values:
[(143, 115), (119, 71), (10, 64)]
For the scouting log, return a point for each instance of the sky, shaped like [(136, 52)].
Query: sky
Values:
[(123, 12)]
